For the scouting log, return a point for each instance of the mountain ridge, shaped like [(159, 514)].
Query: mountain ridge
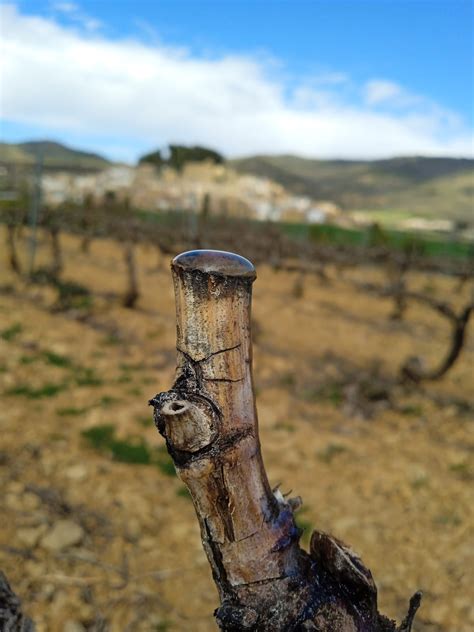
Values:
[(428, 186), (53, 154)]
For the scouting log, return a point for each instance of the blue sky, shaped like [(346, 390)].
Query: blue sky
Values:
[(360, 78)]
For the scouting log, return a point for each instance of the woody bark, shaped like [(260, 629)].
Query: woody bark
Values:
[(264, 579)]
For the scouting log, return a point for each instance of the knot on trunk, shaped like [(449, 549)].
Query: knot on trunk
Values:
[(188, 427)]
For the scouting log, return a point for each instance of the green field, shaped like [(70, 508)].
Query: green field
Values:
[(427, 244)]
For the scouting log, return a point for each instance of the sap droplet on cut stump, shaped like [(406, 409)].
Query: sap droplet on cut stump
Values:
[(215, 262)]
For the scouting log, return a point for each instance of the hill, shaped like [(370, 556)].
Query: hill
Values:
[(54, 155), (431, 187)]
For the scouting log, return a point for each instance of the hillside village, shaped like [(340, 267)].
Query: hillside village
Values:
[(218, 187)]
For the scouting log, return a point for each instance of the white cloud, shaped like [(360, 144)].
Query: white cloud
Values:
[(73, 12), (66, 7), (131, 94), (389, 94), (382, 91)]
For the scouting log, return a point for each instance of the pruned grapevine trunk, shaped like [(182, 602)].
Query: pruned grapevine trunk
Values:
[(56, 252), (413, 370), (266, 582), (11, 247), (132, 293)]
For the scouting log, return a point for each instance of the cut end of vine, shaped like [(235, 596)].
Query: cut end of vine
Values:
[(215, 262)]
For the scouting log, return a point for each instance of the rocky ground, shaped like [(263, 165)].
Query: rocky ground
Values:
[(97, 533)]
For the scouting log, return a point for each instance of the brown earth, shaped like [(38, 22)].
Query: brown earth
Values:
[(92, 543)]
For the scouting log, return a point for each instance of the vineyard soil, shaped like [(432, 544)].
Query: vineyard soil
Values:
[(96, 530)]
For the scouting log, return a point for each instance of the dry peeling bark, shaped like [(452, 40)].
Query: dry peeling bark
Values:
[(266, 582)]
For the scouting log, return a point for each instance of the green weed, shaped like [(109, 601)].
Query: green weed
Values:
[(99, 436), (183, 492), (447, 520), (71, 411), (56, 436), (135, 451), (414, 410), (108, 400), (419, 482), (135, 391), (124, 366), (284, 425), (462, 469), (47, 390), (72, 295), (328, 392), (111, 339), (28, 359), (330, 451), (130, 450), (145, 420), (55, 359), (87, 377), (287, 380), (164, 462), (10, 333), (125, 378)]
